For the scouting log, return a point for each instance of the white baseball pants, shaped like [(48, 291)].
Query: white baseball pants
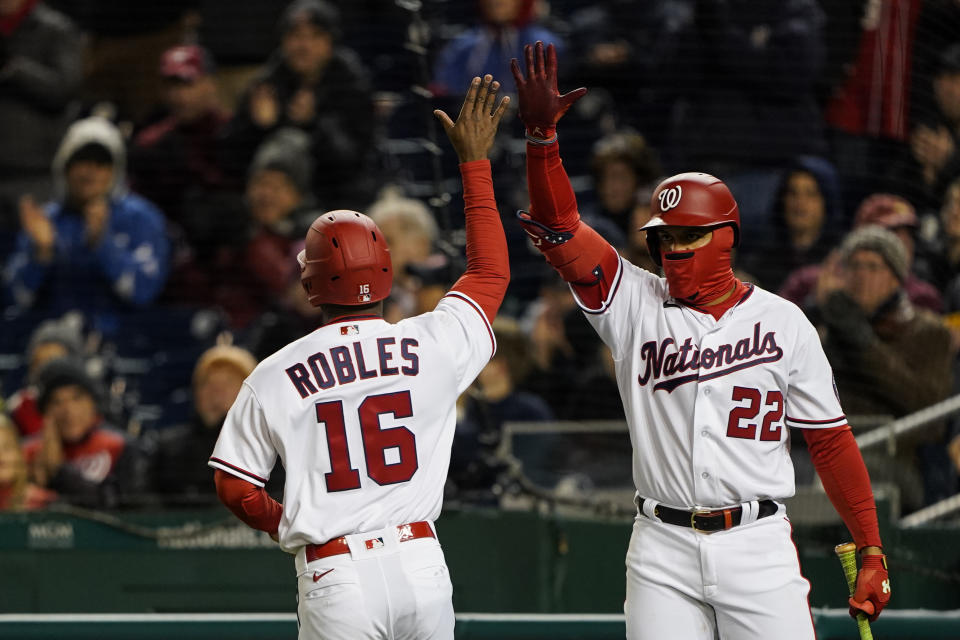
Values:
[(739, 584), (397, 591)]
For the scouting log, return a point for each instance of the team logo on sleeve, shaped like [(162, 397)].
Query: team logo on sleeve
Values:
[(669, 198)]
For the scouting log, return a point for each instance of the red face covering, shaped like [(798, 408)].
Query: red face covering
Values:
[(703, 274)]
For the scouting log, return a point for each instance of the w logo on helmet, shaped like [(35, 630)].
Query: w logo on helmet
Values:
[(669, 198)]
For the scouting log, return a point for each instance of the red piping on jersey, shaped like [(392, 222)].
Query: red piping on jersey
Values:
[(475, 307), (248, 502), (841, 418), (238, 469), (838, 462), (349, 318)]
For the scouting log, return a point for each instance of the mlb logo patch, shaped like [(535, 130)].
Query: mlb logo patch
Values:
[(374, 543), (349, 330)]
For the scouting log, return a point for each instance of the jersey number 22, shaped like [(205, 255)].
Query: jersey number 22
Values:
[(376, 441)]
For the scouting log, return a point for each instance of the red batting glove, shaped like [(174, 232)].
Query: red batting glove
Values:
[(541, 104), (873, 587)]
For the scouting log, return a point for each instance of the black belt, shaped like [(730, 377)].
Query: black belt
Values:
[(708, 521)]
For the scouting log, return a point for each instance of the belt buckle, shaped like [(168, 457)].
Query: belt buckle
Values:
[(693, 519)]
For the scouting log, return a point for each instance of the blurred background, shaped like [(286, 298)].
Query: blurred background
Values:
[(161, 161)]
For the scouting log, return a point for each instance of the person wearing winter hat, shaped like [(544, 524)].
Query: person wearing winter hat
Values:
[(893, 213), (78, 454), (889, 356), (96, 248), (52, 339), (179, 473)]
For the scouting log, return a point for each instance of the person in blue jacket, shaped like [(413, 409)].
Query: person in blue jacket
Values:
[(96, 247)]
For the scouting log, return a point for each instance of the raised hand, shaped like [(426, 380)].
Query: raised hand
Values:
[(541, 104), (36, 224), (473, 133)]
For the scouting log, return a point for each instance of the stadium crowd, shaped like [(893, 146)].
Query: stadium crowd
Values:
[(161, 163)]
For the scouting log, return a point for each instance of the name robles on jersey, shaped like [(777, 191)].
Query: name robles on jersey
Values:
[(362, 414)]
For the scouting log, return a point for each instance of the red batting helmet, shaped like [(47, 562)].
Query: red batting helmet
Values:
[(691, 200), (345, 261)]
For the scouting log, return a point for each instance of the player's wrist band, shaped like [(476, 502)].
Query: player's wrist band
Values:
[(541, 141)]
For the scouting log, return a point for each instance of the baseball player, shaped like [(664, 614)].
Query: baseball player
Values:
[(712, 373), (362, 414)]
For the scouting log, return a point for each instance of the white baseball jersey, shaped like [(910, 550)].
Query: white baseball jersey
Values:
[(362, 414), (708, 401)]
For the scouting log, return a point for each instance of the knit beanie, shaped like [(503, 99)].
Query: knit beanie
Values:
[(287, 151), (883, 242), (64, 372)]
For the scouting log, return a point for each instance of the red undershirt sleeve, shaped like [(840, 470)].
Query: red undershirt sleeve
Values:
[(587, 261), (488, 268), (837, 460), (248, 502), (552, 200)]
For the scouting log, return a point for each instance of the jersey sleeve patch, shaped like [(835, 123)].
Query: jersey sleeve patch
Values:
[(234, 470), (483, 316), (803, 423)]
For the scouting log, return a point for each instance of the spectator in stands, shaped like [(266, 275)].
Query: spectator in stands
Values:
[(78, 454), (281, 205), (744, 78), (934, 153), (807, 286), (623, 167), (315, 84), (41, 56), (97, 248), (805, 221), (502, 28), (245, 276), (411, 231), (942, 255), (937, 27), (888, 356), (180, 473), (495, 399), (175, 162), (51, 340), (17, 493), (554, 361)]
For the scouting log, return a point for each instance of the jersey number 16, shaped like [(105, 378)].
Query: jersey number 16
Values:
[(376, 441)]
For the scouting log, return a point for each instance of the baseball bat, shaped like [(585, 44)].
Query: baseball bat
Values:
[(847, 552)]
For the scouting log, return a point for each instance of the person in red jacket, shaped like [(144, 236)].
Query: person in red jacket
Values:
[(712, 373), (78, 454), (362, 413)]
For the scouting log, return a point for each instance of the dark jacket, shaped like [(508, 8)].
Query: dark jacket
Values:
[(40, 74)]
